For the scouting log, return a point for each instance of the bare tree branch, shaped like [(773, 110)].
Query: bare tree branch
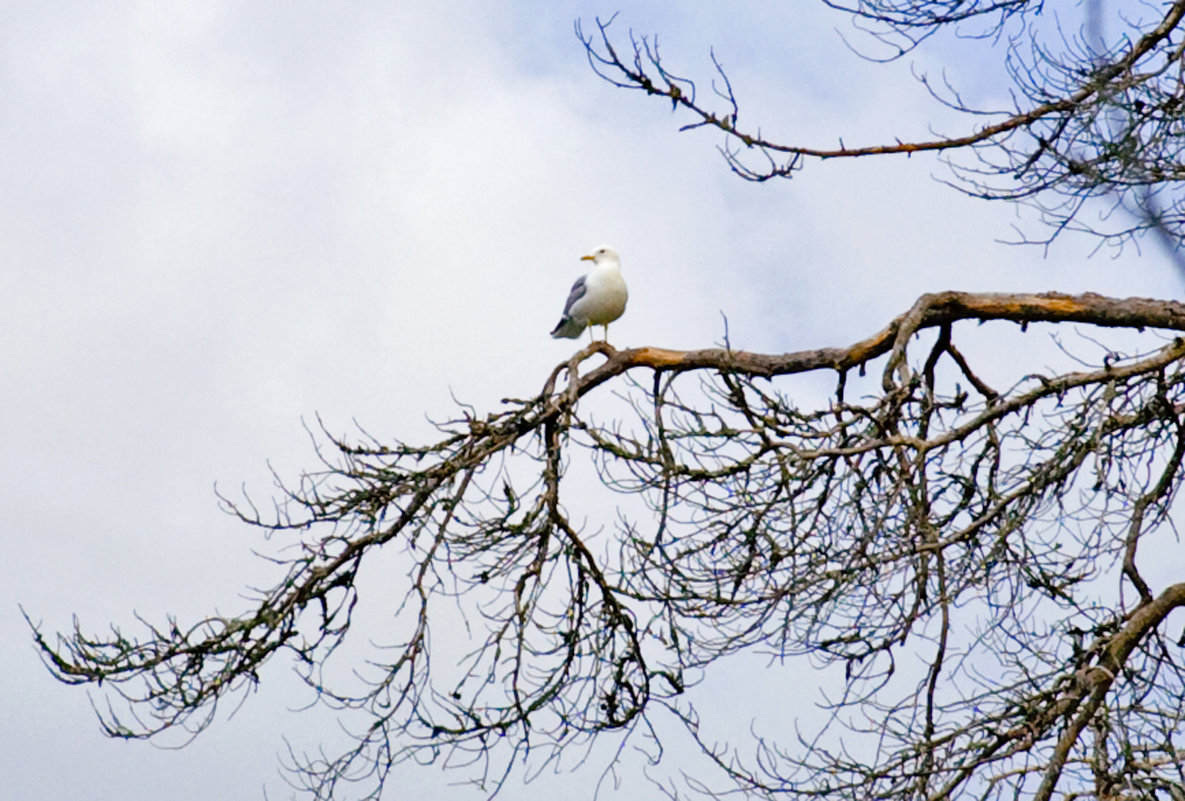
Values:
[(1095, 127), (953, 550)]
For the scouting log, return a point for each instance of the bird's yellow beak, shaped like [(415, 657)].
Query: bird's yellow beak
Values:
[(589, 257)]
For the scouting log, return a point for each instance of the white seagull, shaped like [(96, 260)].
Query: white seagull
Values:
[(597, 298)]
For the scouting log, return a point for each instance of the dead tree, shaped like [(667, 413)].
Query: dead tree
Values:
[(965, 542), (1092, 138)]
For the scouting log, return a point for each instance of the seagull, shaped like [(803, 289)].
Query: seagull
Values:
[(596, 299)]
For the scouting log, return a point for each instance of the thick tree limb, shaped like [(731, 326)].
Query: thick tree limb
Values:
[(929, 311)]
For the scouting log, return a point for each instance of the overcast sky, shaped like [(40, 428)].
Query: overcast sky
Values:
[(219, 218)]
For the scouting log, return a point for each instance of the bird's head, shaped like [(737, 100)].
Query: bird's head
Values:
[(600, 255)]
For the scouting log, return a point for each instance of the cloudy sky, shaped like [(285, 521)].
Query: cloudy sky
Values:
[(220, 218)]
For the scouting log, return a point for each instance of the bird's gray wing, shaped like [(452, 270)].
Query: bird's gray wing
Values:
[(578, 290), (567, 328)]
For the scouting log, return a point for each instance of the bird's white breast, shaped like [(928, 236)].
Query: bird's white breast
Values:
[(605, 297)]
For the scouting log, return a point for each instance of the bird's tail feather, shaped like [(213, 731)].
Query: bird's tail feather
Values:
[(567, 328)]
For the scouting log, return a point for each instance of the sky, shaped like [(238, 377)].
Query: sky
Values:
[(219, 220)]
